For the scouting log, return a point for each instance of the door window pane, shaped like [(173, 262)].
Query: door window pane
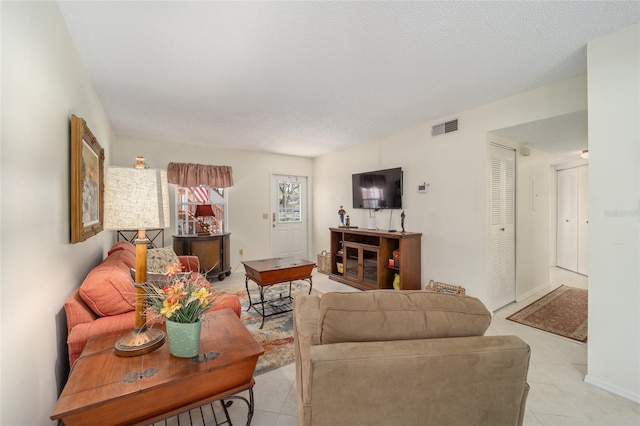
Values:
[(289, 202)]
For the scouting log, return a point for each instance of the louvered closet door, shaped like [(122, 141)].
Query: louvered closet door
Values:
[(502, 248)]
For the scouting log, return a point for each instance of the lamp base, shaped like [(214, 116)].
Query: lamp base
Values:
[(139, 342)]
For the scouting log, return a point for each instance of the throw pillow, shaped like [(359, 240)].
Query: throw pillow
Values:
[(159, 258), (108, 289)]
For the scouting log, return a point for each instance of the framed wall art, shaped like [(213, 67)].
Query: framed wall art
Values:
[(87, 182)]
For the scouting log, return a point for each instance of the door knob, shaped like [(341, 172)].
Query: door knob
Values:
[(502, 229)]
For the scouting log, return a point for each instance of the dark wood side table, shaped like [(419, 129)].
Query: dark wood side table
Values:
[(104, 389), (268, 272), (213, 251)]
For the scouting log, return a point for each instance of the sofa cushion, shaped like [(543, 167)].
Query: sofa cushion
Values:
[(108, 289), (159, 258), (123, 256), (122, 245), (399, 315), (79, 334)]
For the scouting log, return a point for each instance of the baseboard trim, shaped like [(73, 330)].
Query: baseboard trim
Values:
[(530, 293), (612, 388)]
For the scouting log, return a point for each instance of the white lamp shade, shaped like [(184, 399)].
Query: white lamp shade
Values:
[(136, 199)]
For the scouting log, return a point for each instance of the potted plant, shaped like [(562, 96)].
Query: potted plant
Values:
[(182, 301)]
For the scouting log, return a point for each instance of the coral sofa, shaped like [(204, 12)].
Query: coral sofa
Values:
[(405, 358), (105, 300)]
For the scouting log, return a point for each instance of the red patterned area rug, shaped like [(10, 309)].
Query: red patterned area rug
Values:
[(562, 311), (276, 337)]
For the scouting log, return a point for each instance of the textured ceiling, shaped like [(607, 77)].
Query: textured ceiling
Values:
[(307, 78), (563, 136)]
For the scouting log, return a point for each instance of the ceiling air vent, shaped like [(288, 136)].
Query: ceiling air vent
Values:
[(447, 127)]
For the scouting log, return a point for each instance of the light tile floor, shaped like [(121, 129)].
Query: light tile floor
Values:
[(558, 394)]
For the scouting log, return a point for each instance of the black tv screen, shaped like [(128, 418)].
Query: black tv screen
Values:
[(381, 189)]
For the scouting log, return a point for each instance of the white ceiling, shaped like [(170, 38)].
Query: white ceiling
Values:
[(307, 78), (563, 136)]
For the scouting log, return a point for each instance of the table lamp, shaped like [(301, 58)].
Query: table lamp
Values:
[(137, 199), (204, 210)]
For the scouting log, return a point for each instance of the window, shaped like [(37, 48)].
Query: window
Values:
[(188, 198), (289, 201)]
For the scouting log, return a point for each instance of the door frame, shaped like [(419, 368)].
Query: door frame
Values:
[(307, 206)]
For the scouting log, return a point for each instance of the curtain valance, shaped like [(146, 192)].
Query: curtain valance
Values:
[(189, 174)]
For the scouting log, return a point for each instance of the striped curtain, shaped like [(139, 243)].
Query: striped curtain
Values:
[(194, 175)]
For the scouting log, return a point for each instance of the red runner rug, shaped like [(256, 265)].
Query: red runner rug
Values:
[(562, 311)]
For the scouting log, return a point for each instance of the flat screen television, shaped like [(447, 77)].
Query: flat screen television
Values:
[(380, 189)]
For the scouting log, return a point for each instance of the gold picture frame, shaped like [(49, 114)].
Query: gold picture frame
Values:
[(87, 182)]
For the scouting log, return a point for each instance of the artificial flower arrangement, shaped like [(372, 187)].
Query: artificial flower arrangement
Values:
[(183, 299)]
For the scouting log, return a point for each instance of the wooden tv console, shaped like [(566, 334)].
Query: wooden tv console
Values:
[(365, 254)]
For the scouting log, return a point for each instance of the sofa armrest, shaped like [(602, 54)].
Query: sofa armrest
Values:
[(80, 333), (77, 312), (227, 301), (190, 263), (306, 310), (462, 380)]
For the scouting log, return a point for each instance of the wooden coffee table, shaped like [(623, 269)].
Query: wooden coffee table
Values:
[(104, 389), (268, 272)]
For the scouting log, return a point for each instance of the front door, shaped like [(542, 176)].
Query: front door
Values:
[(289, 223)]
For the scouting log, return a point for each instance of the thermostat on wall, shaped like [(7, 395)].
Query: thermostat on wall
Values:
[(423, 188)]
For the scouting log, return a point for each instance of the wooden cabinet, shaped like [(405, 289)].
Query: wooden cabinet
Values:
[(360, 258), (213, 251), (360, 263)]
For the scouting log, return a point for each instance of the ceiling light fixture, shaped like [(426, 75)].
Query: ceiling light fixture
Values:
[(585, 154)]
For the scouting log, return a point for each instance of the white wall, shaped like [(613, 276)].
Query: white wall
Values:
[(249, 197), (452, 216), (614, 212), (43, 82)]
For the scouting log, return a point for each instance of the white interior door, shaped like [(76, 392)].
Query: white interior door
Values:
[(502, 247), (573, 219), (567, 239), (289, 223)]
